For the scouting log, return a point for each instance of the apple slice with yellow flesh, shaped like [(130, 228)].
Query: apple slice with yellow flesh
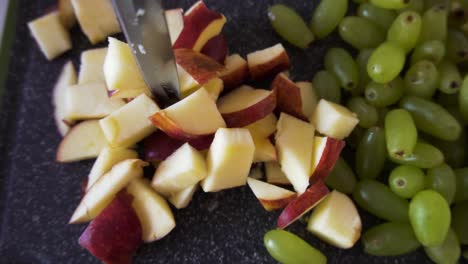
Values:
[(175, 22), (92, 64), (84, 141), (288, 95), (246, 105), (183, 168), (200, 25), (106, 160), (155, 215), (66, 13), (268, 62), (129, 124), (105, 188), (274, 174), (294, 142), (264, 127), (326, 153), (182, 198), (303, 204), (270, 196), (216, 48), (264, 150), (336, 221), (187, 120), (308, 97), (236, 72), (229, 159), (66, 79), (333, 120)]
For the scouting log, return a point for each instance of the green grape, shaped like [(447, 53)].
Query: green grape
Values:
[(450, 78), (327, 16), (414, 5), (361, 62), (463, 99), (460, 221), (461, 193), (422, 79), (405, 181), (339, 62), (341, 178), (371, 154), (366, 113), (286, 247), (400, 133), (429, 215), (390, 239), (454, 151), (380, 16), (377, 199), (290, 26), (431, 50), (442, 179), (361, 33), (448, 252), (386, 62), (327, 86), (457, 46), (390, 4), (431, 118), (405, 30), (424, 156), (382, 95), (434, 24)]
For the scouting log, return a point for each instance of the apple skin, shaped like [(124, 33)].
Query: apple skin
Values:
[(302, 204), (236, 72), (158, 146), (216, 48), (288, 96), (201, 67), (328, 159), (115, 234), (277, 60)]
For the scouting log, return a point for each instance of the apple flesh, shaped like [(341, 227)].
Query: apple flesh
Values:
[(175, 22), (268, 62), (153, 211), (83, 141), (336, 221), (182, 198), (92, 64), (200, 25), (288, 95), (294, 142), (326, 153), (229, 159), (274, 174), (270, 196), (66, 13), (201, 67), (66, 79), (105, 188), (333, 120), (246, 105), (303, 204), (264, 127), (308, 97), (214, 87), (216, 48), (236, 72), (115, 234), (264, 150)]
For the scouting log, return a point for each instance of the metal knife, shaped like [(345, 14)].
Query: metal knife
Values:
[(144, 25)]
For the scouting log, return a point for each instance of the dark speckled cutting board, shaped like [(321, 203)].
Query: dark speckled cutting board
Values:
[(38, 195)]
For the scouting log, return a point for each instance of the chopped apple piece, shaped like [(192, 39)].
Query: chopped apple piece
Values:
[(268, 62), (83, 141), (264, 150), (201, 67), (308, 96), (158, 146), (66, 13), (182, 198), (270, 196), (187, 120), (183, 168), (129, 124), (326, 153), (96, 18), (104, 190), (90, 101), (51, 36), (236, 72), (303, 204), (336, 221), (92, 66), (274, 174), (200, 25), (153, 211), (229, 159), (333, 120), (264, 127), (66, 78), (294, 142), (187, 83), (256, 171), (175, 22), (214, 87), (106, 160), (122, 74), (288, 96), (246, 105), (216, 48)]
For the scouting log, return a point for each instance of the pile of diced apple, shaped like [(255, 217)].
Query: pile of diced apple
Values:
[(218, 136)]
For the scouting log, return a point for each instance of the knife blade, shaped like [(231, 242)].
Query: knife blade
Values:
[(145, 28)]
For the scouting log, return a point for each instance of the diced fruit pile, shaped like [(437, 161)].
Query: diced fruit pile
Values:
[(223, 133)]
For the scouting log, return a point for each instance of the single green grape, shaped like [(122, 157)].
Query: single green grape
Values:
[(431, 50), (405, 181), (380, 16), (286, 247), (361, 33), (390, 239), (461, 193), (429, 215), (382, 95), (361, 62), (448, 252), (341, 178), (450, 78), (454, 151), (434, 24), (442, 179), (377, 199), (463, 99), (414, 5), (327, 86), (371, 154), (339, 62), (327, 16), (390, 4), (460, 221), (405, 30), (457, 46), (400, 133), (386, 62), (424, 156), (366, 113), (422, 79)]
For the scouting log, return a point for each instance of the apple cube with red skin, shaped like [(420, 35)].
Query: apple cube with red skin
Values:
[(303, 204), (201, 67), (333, 120), (308, 97), (236, 72), (66, 79), (270, 196), (268, 62), (288, 95), (326, 153), (115, 234), (264, 127), (175, 22), (216, 48)]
